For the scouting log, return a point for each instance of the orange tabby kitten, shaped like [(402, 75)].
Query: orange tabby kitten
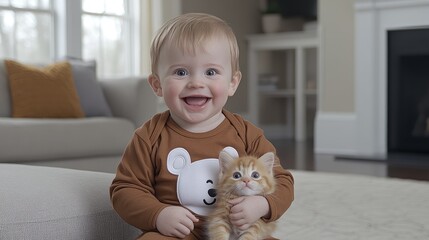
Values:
[(242, 176)]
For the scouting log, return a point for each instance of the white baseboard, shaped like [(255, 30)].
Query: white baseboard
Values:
[(335, 133)]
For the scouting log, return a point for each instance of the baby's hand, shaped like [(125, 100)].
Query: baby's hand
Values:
[(175, 221), (247, 210)]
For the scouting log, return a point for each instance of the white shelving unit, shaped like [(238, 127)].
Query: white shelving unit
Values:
[(285, 101)]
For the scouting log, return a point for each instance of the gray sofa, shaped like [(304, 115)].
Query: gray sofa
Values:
[(58, 199), (91, 143), (47, 203)]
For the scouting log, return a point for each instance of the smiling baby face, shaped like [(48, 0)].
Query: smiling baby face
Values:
[(196, 84)]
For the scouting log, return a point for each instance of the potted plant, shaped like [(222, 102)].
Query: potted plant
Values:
[(271, 16)]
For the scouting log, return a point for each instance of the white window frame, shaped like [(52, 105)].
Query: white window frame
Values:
[(68, 26)]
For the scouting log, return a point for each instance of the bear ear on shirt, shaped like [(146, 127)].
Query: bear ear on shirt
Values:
[(177, 160)]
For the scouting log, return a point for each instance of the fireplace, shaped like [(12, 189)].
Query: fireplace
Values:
[(408, 91), (391, 77)]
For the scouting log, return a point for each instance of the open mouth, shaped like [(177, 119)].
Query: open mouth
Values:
[(196, 101)]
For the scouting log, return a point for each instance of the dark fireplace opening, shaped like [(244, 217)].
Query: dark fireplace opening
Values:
[(408, 91)]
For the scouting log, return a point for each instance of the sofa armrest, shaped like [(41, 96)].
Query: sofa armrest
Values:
[(58, 203), (130, 98)]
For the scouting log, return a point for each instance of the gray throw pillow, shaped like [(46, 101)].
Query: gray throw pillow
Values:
[(5, 101), (88, 88)]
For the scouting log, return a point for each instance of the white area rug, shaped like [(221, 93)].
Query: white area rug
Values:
[(352, 207)]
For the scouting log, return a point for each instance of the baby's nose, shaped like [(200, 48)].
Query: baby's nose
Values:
[(195, 82)]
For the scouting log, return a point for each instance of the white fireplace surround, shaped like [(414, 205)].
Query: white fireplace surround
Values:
[(373, 18)]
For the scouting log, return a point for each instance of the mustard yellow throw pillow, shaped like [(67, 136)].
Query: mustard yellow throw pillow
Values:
[(43, 93)]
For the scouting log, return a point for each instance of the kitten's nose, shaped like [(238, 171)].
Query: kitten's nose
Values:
[(246, 180), (212, 192)]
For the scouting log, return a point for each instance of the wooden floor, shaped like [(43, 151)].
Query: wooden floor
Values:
[(301, 156), (295, 155)]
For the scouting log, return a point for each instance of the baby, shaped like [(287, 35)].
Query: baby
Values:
[(164, 183)]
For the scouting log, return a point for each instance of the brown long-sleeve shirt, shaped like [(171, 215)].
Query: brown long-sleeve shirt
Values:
[(165, 165)]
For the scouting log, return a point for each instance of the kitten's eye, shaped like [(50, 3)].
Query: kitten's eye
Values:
[(211, 72), (236, 175), (181, 72), (255, 175)]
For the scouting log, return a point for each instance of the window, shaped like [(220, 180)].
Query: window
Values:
[(26, 30), (41, 31), (106, 35)]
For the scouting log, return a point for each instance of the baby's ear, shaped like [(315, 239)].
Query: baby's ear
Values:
[(235, 81), (268, 160), (155, 83)]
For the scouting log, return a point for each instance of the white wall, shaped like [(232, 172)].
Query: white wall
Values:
[(336, 18), (335, 128)]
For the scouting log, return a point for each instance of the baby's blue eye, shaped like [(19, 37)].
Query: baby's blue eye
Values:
[(255, 175), (236, 175), (181, 72), (211, 72)]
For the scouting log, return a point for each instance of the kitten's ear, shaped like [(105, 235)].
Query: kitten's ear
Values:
[(268, 160), (224, 160)]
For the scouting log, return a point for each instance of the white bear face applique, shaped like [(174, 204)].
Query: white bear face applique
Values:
[(196, 181)]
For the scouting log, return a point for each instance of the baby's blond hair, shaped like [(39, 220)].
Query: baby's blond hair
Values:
[(188, 32)]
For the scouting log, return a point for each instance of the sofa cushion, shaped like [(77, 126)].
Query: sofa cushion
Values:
[(56, 203), (43, 93), (53, 139), (88, 88)]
